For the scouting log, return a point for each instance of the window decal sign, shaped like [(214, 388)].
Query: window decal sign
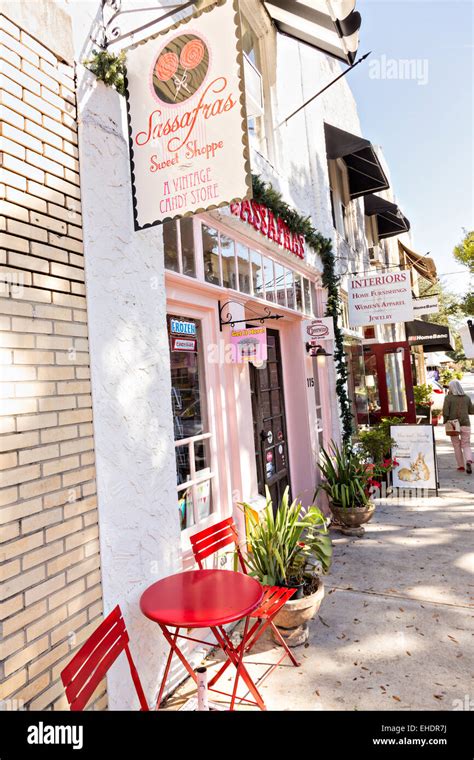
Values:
[(187, 119)]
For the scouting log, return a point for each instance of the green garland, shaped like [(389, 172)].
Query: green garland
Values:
[(264, 193), (108, 68)]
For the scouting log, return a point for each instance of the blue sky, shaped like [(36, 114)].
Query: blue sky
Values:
[(425, 130)]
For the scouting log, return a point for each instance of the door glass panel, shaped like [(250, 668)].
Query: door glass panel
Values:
[(371, 383), (244, 268), (170, 244), (395, 378), (257, 276), (211, 254), (229, 277)]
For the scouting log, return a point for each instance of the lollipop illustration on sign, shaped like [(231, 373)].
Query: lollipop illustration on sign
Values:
[(180, 69)]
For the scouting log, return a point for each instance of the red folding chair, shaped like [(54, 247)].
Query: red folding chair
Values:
[(208, 542), (90, 664)]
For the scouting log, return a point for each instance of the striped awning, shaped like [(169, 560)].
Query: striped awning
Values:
[(390, 220), (328, 25), (424, 266)]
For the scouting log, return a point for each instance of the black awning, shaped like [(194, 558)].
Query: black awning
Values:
[(390, 220), (328, 25), (364, 168), (431, 336)]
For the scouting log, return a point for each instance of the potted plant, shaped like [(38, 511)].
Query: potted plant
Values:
[(375, 444), (349, 482), (423, 402), (435, 415), (290, 546)]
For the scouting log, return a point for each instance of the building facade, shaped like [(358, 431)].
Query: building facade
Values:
[(126, 423)]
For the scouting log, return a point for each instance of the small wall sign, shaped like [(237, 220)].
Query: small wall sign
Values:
[(249, 344), (320, 328), (180, 327)]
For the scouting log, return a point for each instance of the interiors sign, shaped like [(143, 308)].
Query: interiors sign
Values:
[(380, 299), (187, 120)]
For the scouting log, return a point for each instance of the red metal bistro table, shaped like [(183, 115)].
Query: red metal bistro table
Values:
[(205, 599)]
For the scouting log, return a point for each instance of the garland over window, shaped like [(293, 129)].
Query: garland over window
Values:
[(263, 192)]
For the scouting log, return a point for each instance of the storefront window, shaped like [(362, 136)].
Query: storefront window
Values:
[(229, 275), (210, 245), (243, 268), (178, 243), (307, 296), (280, 284), (372, 385), (269, 279), (290, 293), (187, 247), (298, 292), (257, 276), (192, 438)]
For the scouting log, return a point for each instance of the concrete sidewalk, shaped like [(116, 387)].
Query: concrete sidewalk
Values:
[(396, 628)]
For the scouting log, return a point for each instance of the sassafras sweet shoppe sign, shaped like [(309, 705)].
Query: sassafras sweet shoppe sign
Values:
[(187, 119)]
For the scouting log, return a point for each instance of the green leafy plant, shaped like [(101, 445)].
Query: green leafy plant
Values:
[(286, 544), (436, 412), (375, 443), (265, 193), (422, 394), (445, 376), (108, 68), (348, 479)]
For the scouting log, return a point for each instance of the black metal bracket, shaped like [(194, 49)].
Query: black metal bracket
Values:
[(111, 15), (227, 319)]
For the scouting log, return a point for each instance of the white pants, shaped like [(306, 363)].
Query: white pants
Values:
[(462, 445)]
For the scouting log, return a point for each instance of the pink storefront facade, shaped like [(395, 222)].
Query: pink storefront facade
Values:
[(239, 426)]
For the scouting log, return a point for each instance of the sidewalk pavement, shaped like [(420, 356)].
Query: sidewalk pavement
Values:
[(396, 627)]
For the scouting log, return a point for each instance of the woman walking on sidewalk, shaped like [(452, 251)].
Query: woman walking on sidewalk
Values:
[(458, 406)]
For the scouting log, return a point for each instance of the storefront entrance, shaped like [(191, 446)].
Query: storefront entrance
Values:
[(389, 382), (269, 422)]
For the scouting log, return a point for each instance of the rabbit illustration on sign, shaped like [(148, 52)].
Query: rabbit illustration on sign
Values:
[(418, 470)]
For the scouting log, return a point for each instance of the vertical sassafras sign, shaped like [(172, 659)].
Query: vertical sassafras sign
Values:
[(186, 117)]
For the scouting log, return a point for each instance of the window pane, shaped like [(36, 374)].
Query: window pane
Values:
[(307, 296), (298, 292), (395, 378), (280, 284), (257, 278), (229, 278), (244, 268), (186, 396), (269, 278), (187, 247), (289, 289), (211, 254), (170, 244)]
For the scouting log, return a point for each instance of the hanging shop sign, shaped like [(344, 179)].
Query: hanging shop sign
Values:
[(249, 345), (380, 298), (422, 306), (431, 336), (320, 328), (466, 333), (187, 119), (414, 450), (272, 227)]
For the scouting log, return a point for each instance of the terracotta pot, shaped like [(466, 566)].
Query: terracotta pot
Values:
[(293, 618), (355, 516)]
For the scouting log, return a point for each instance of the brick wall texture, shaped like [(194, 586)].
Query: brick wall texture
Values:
[(50, 598)]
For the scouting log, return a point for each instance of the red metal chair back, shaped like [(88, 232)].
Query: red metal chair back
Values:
[(218, 536), (90, 664)]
